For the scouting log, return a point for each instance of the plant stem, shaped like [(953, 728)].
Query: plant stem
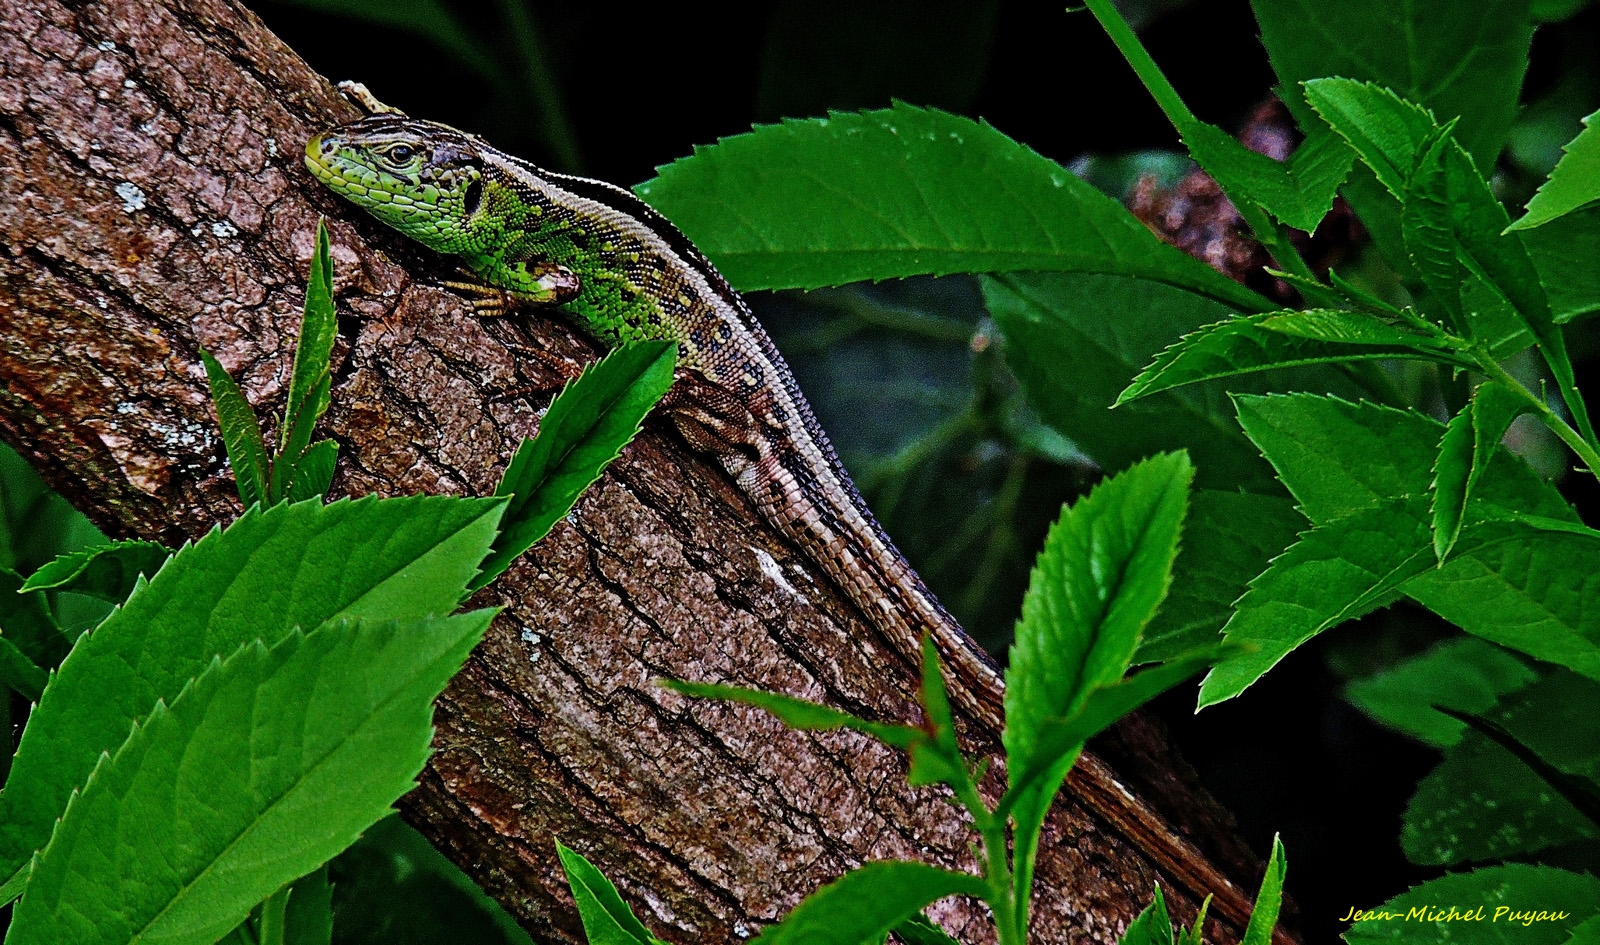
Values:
[(1558, 426), (1270, 234)]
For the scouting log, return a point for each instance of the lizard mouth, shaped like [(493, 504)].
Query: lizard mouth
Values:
[(322, 161)]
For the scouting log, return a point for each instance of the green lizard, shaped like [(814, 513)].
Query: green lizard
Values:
[(529, 238)]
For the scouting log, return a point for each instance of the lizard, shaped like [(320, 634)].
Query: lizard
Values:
[(528, 238)]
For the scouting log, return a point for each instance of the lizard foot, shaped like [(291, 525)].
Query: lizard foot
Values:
[(546, 284)]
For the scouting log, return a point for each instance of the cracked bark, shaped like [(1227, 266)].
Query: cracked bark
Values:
[(152, 203)]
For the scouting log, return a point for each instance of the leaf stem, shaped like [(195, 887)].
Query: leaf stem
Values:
[(1273, 236), (1558, 426)]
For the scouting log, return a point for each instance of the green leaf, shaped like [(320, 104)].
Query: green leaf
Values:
[(918, 930), (1339, 457), (19, 672), (800, 714), (1529, 589), (1264, 917), (311, 379), (313, 472), (1074, 340), (1573, 185), (585, 428), (1510, 896), (272, 570), (1152, 926), (1229, 538), (905, 191), (1298, 192), (1104, 569), (607, 920), (936, 758), (1386, 131), (1428, 227), (309, 920), (1563, 252), (108, 572), (1466, 67), (267, 765), (1469, 444), (25, 619), (1336, 572), (1249, 343), (869, 901), (241, 433), (1102, 573), (1465, 674)]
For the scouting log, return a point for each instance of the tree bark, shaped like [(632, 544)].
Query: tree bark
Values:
[(153, 203)]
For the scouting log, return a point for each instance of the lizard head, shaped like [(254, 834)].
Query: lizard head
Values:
[(423, 179)]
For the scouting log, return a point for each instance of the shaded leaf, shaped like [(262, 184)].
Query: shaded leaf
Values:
[(270, 763), (108, 572), (869, 901), (19, 672), (905, 191), (1563, 252), (1465, 674), (26, 620), (309, 917), (585, 428), (1298, 192), (918, 930)]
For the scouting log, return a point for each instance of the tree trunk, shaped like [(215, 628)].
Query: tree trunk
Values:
[(153, 203)]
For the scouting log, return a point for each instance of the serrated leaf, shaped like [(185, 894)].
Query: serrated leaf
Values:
[(1573, 185), (1386, 131), (1464, 674), (1074, 340), (1466, 67), (273, 569), (1298, 192), (607, 920), (936, 758), (270, 763), (1469, 443), (310, 379), (1336, 572), (1102, 573), (585, 428), (1423, 914), (1104, 569), (1250, 343), (241, 433), (905, 191), (1229, 538), (108, 572), (1153, 926), (1264, 917), (869, 901), (313, 471), (1338, 457), (800, 714), (1530, 589), (1428, 228)]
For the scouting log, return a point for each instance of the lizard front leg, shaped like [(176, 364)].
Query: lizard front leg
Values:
[(501, 288)]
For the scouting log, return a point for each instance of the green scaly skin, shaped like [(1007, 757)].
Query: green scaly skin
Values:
[(600, 256)]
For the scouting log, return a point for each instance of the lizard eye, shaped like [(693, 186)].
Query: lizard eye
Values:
[(402, 153)]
